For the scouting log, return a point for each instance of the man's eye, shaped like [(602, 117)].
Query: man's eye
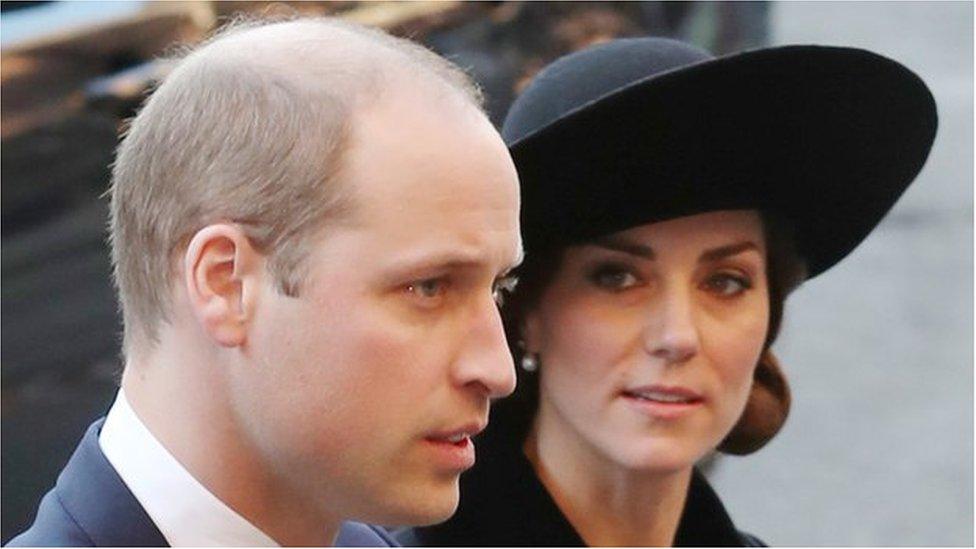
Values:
[(727, 284), (429, 288), (504, 285), (614, 277)]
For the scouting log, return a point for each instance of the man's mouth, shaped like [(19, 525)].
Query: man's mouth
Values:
[(459, 440), (452, 449), (459, 436)]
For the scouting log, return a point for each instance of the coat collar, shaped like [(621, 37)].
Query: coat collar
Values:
[(185, 511), (704, 521), (96, 498), (503, 503)]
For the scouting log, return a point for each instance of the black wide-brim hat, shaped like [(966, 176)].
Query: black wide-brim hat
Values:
[(640, 130)]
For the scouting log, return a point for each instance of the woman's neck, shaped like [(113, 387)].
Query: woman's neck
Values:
[(607, 504)]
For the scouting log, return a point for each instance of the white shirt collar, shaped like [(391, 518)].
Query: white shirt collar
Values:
[(185, 512)]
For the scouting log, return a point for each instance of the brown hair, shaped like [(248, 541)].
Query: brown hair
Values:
[(769, 400), (247, 129)]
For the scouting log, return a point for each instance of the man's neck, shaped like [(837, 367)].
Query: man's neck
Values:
[(185, 406)]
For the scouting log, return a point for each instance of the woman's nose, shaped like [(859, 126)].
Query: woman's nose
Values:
[(672, 333)]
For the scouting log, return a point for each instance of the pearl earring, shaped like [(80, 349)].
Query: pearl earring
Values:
[(530, 362)]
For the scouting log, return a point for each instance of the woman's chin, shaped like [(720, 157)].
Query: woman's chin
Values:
[(660, 459)]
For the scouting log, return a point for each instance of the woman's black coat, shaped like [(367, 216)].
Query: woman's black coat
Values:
[(503, 504)]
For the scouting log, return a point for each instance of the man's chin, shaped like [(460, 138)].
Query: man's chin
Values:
[(421, 507)]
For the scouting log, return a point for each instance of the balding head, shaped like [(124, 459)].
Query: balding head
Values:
[(250, 128), (329, 56)]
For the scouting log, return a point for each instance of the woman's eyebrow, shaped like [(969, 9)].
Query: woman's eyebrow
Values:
[(626, 246), (722, 252)]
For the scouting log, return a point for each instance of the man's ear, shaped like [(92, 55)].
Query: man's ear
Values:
[(221, 270)]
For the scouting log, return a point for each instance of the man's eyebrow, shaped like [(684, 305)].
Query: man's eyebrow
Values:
[(619, 244), (447, 260), (722, 252)]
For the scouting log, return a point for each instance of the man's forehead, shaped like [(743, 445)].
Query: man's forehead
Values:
[(408, 146), (443, 258)]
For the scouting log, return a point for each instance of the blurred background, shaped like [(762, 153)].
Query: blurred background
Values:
[(879, 351)]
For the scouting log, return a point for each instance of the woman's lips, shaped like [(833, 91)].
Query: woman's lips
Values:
[(663, 401)]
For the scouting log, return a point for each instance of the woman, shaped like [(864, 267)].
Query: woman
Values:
[(671, 201)]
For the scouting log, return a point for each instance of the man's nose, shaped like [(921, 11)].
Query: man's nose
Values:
[(486, 361), (672, 332)]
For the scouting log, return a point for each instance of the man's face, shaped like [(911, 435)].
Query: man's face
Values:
[(357, 391)]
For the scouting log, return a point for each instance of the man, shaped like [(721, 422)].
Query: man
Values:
[(310, 221)]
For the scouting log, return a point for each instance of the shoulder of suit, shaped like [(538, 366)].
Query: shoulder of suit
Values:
[(53, 526), (357, 534)]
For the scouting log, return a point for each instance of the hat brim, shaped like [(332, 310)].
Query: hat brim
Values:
[(829, 138)]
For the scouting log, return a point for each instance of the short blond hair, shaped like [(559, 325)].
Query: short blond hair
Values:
[(249, 128)]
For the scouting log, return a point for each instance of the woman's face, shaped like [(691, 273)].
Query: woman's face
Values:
[(648, 339)]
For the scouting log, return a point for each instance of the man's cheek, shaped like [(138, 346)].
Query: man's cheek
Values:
[(389, 344)]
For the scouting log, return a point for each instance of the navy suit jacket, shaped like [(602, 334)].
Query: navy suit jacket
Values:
[(90, 506)]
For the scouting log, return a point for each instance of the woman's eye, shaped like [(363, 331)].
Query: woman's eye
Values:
[(504, 285), (727, 285), (614, 277)]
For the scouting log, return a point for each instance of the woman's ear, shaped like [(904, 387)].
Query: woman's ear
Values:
[(529, 332), (221, 271)]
